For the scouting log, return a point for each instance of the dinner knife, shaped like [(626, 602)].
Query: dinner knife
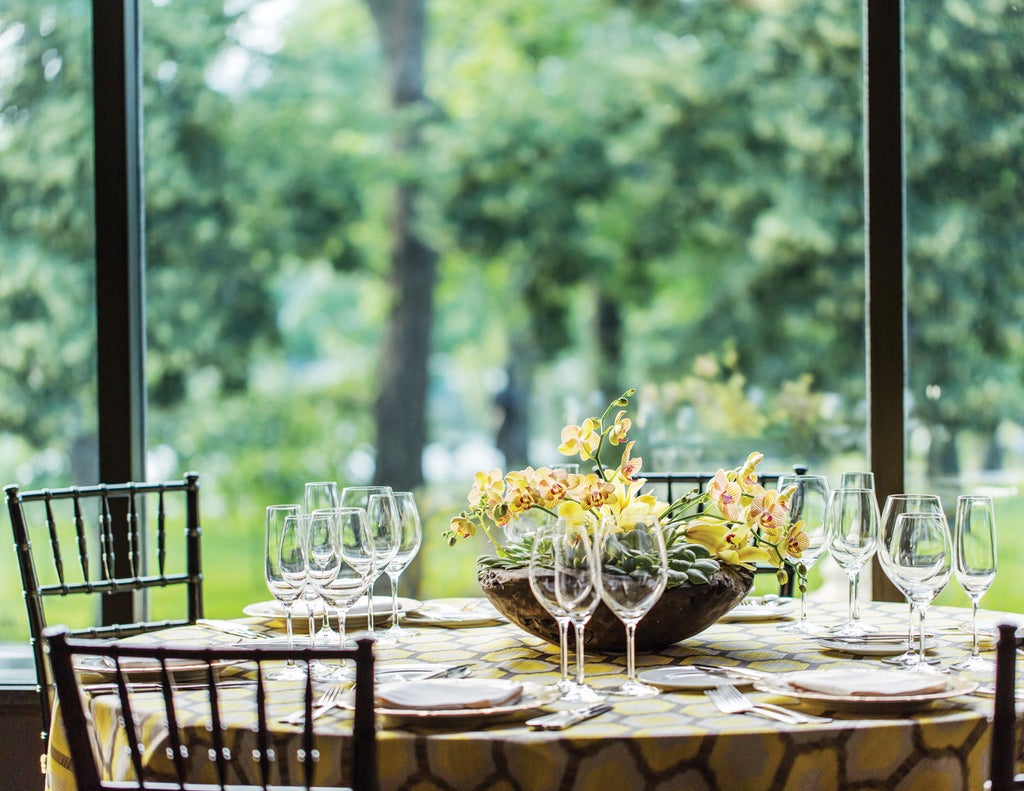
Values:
[(563, 719)]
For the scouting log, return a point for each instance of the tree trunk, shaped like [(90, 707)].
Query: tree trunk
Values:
[(402, 397), (608, 329)]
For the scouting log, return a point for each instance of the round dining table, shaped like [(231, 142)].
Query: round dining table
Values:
[(675, 740)]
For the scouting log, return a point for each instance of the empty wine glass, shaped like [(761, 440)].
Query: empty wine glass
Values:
[(857, 480), (410, 536), (382, 520), (896, 504), (974, 543), (283, 552), (542, 583), (921, 557), (349, 554), (852, 530), (575, 588), (808, 504), (321, 495), (632, 571)]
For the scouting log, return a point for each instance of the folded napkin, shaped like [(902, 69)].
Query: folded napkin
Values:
[(447, 693), (866, 682)]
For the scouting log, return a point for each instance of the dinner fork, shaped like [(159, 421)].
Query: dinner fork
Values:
[(321, 706), (729, 700)]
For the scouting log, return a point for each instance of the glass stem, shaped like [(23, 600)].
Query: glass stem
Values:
[(910, 627), (291, 632), (921, 652), (579, 652), (631, 651), (803, 596), (855, 597), (852, 608), (369, 608), (975, 650), (563, 642), (341, 627), (394, 599)]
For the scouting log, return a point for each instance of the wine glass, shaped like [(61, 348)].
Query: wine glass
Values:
[(320, 495), (346, 558), (807, 504), (921, 558), (382, 520), (576, 590), (410, 537), (632, 571), (852, 530), (974, 542), (283, 555), (896, 504), (857, 480), (542, 582)]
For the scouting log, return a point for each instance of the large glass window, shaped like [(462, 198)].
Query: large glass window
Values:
[(565, 200), (965, 294), (48, 414)]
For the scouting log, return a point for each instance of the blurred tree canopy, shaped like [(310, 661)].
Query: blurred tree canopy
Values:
[(639, 185)]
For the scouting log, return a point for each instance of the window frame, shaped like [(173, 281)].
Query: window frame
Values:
[(120, 251)]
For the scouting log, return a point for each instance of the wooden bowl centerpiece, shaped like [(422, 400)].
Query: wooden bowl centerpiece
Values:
[(681, 612)]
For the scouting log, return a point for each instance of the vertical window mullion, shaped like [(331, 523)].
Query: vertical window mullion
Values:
[(885, 212), (119, 260)]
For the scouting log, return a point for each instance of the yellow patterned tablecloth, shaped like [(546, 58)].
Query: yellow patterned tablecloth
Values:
[(676, 740)]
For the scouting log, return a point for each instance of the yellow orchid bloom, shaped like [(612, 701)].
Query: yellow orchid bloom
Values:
[(581, 440), (628, 468), (797, 540), (462, 527), (725, 494), (620, 427), (709, 535), (488, 487), (768, 513)]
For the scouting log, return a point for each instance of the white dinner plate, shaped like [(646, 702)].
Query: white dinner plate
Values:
[(274, 611), (778, 684), (454, 613), (406, 672), (762, 609), (533, 697), (682, 679), (870, 647), (136, 668)]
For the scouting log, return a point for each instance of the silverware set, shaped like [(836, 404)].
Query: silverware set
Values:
[(729, 700)]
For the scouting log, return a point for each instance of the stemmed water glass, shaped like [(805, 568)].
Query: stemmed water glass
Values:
[(974, 542), (410, 536), (921, 558), (321, 495), (382, 520), (341, 560), (808, 504), (632, 571), (576, 590), (542, 583), (283, 561), (852, 530), (896, 504)]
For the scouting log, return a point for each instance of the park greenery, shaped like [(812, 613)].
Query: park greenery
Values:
[(402, 240)]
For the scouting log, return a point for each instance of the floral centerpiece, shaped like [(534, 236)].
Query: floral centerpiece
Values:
[(722, 531)]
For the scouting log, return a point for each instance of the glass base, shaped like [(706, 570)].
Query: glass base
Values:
[(288, 673), (804, 627), (909, 660), (582, 693), (634, 689), (852, 629), (975, 664)]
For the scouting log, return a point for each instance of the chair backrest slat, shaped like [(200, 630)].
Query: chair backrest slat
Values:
[(139, 715), (1004, 720), (115, 521)]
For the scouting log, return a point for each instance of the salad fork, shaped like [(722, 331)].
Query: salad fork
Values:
[(321, 706), (730, 700)]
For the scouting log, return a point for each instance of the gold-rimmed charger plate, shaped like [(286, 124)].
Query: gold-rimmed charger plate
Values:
[(534, 696)]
